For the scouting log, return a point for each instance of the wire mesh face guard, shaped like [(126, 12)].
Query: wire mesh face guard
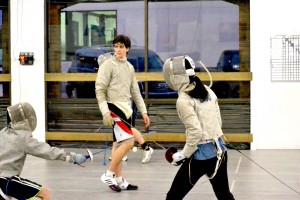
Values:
[(22, 116), (176, 72)]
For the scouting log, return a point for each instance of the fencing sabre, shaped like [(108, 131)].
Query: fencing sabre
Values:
[(90, 155), (106, 143), (230, 146)]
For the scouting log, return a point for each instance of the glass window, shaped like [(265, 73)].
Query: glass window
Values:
[(214, 32), (80, 29), (4, 62), (1, 53), (200, 29), (4, 89), (80, 32), (205, 30), (4, 49), (4, 38)]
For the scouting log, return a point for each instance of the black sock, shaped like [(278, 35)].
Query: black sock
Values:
[(145, 146)]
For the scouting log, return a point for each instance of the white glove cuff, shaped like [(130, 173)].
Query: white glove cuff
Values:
[(70, 157)]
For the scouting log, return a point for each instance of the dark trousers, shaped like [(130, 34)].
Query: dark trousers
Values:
[(182, 182), (19, 188)]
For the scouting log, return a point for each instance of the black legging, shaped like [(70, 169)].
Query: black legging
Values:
[(181, 184)]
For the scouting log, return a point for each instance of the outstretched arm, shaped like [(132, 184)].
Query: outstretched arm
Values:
[(45, 151)]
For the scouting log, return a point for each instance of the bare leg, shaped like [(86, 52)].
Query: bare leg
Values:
[(138, 136), (44, 194), (118, 171), (117, 154)]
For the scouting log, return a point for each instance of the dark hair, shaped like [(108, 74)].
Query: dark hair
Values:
[(199, 92), (123, 40)]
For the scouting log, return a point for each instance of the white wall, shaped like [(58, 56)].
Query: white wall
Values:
[(275, 106), (27, 35)]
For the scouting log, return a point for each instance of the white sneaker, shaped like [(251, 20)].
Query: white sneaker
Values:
[(147, 155), (111, 182), (124, 185)]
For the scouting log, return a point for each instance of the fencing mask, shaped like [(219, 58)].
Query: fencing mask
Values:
[(176, 72), (22, 116)]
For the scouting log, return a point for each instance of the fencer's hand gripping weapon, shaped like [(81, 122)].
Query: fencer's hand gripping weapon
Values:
[(169, 153), (169, 156), (89, 155)]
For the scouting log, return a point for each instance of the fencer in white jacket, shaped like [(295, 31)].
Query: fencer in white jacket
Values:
[(16, 142), (204, 151)]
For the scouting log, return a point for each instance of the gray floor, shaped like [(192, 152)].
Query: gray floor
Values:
[(247, 180)]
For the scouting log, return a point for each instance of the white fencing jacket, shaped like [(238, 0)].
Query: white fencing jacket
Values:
[(116, 83), (16, 144), (202, 120)]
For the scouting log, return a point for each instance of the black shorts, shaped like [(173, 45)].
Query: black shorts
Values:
[(121, 115), (19, 188)]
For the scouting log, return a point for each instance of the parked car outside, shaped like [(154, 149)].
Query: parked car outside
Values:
[(85, 61), (229, 61)]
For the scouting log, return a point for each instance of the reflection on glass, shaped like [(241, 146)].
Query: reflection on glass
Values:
[(204, 30), (85, 28), (4, 90), (1, 69), (200, 29), (229, 61), (226, 89), (79, 90), (80, 31), (4, 38)]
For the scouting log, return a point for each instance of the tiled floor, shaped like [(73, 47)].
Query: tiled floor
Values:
[(248, 181)]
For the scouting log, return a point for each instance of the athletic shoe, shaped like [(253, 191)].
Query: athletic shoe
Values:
[(111, 182), (147, 155), (125, 158), (124, 185)]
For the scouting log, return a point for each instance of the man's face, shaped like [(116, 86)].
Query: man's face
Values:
[(120, 50)]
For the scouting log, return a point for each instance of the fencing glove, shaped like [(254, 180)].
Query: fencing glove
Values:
[(108, 120), (75, 158), (178, 158)]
